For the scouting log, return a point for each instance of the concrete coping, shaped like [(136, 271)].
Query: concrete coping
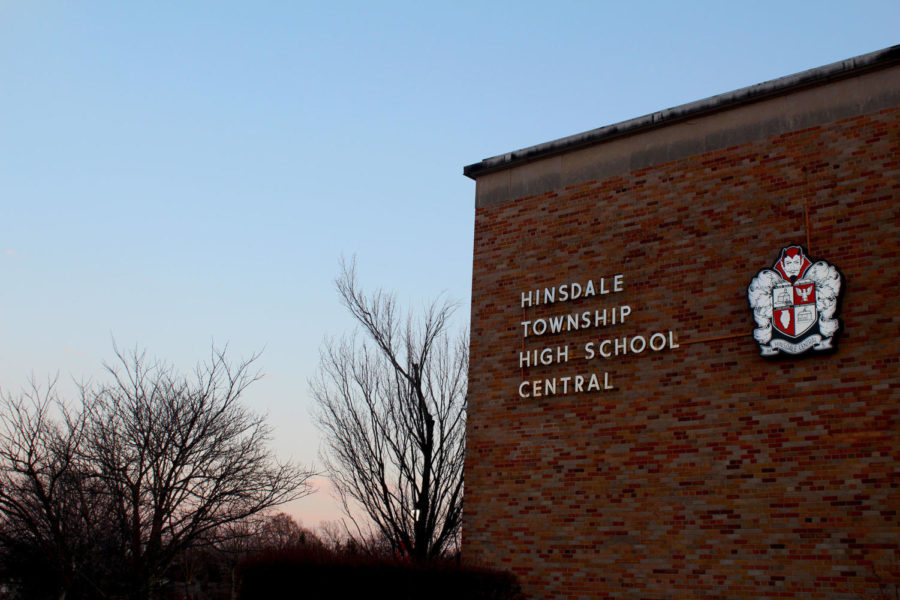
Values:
[(844, 69)]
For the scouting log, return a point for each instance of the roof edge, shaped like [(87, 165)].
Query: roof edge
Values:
[(843, 69)]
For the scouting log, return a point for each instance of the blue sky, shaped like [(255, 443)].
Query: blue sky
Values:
[(174, 174)]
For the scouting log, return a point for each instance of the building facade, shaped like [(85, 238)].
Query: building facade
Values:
[(629, 433)]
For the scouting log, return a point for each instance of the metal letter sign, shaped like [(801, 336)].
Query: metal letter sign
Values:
[(794, 304)]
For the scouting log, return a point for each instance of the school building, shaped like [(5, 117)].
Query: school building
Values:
[(685, 345)]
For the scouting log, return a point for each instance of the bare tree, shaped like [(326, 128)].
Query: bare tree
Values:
[(333, 534), (55, 531), (181, 457), (265, 532), (155, 462), (392, 410), (281, 532)]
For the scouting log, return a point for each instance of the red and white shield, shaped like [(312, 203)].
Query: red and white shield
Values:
[(794, 307)]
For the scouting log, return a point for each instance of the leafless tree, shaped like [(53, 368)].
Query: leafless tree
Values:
[(333, 534), (282, 532), (392, 410), (55, 517), (181, 457), (265, 532), (36, 453), (157, 462)]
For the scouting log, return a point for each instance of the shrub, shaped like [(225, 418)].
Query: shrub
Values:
[(323, 573)]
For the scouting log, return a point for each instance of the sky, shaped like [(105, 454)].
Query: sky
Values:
[(178, 175)]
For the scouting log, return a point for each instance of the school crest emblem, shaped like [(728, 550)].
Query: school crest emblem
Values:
[(795, 303)]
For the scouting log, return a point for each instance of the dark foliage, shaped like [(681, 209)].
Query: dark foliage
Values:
[(325, 573)]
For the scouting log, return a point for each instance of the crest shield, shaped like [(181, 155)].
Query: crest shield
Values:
[(794, 307)]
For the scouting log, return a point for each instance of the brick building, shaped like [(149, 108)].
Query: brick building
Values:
[(626, 437)]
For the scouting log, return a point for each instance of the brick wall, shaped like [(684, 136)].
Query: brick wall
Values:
[(709, 471)]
